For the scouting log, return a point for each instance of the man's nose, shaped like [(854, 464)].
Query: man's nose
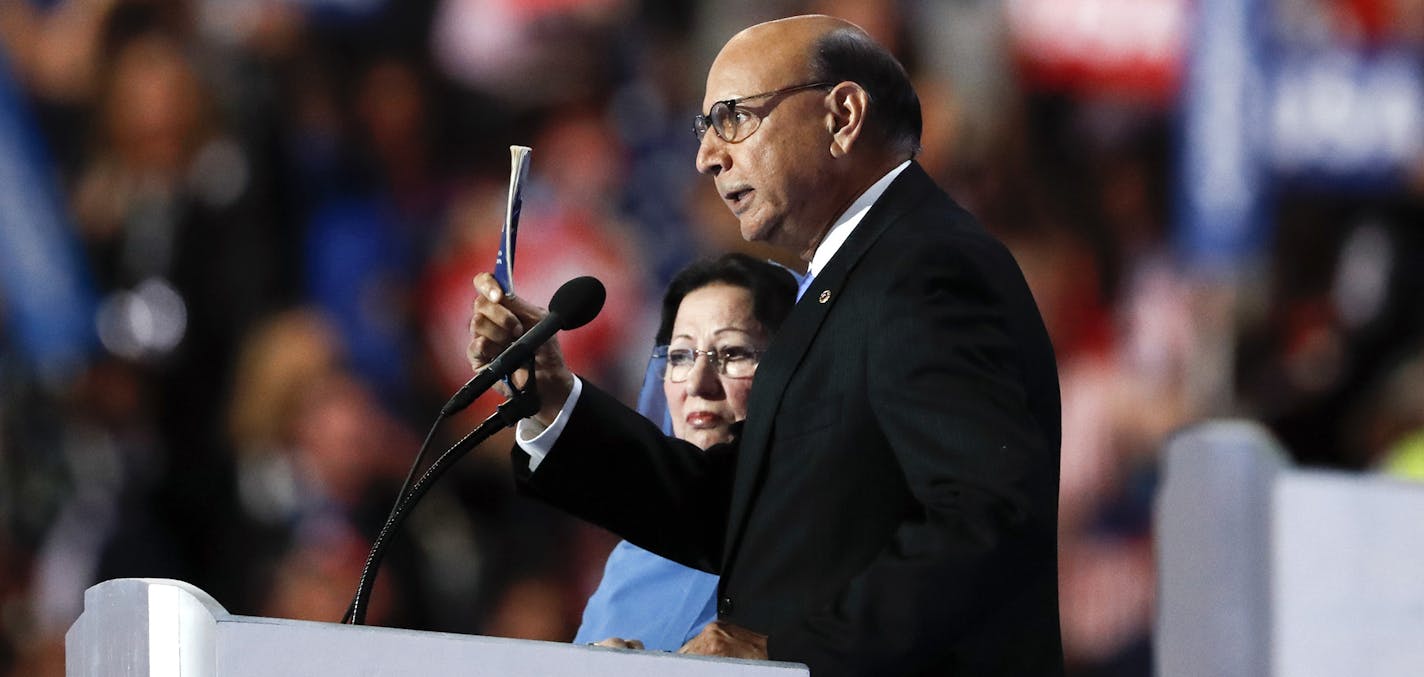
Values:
[(712, 158)]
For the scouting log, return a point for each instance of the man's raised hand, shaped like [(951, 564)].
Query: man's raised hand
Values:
[(497, 320)]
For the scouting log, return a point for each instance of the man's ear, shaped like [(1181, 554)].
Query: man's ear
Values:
[(848, 103)]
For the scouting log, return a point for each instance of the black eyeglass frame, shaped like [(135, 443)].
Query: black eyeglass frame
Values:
[(702, 122)]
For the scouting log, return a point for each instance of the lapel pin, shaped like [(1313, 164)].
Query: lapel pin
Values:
[(825, 296)]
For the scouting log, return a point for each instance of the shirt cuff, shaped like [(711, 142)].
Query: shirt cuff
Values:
[(535, 439)]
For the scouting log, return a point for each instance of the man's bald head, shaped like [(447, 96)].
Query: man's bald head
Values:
[(823, 48), (784, 43)]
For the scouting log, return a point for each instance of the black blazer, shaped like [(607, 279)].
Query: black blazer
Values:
[(890, 506)]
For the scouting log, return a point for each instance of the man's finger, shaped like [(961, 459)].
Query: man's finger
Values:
[(490, 295), (620, 643), (482, 349), (488, 287), (698, 644), (528, 313), (725, 639), (500, 331)]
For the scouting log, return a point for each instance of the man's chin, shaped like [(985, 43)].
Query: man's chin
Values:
[(756, 230)]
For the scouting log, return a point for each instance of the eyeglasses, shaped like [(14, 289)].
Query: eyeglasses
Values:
[(733, 122), (729, 361)]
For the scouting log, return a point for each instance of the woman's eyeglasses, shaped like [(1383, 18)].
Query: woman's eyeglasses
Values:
[(729, 361)]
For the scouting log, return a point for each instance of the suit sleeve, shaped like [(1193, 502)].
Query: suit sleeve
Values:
[(946, 379), (613, 467)]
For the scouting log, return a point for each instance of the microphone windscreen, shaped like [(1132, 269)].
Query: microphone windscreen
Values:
[(577, 302)]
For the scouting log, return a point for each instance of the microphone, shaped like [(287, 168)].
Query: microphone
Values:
[(574, 305)]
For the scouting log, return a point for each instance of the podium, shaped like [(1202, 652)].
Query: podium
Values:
[(164, 628), (1266, 570)]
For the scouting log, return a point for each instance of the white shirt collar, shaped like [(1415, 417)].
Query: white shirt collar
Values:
[(849, 219)]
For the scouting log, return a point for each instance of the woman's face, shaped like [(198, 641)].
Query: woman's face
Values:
[(705, 406)]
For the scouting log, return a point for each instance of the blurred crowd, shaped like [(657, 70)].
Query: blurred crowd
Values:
[(273, 209)]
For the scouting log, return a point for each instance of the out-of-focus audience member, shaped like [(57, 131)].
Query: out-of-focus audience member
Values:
[(317, 465), (1388, 424), (371, 226), (183, 244)]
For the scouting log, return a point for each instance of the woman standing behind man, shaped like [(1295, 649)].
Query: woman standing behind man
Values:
[(718, 316)]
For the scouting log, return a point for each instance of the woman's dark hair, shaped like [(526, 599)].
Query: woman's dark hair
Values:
[(773, 289), (849, 55)]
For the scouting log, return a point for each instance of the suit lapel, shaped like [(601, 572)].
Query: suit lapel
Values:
[(793, 341)]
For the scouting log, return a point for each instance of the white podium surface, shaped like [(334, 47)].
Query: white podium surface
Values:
[(1271, 571), (164, 628)]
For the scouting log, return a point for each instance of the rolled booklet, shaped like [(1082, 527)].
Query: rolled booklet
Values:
[(518, 172)]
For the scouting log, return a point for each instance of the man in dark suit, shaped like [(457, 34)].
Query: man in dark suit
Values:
[(889, 507)]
